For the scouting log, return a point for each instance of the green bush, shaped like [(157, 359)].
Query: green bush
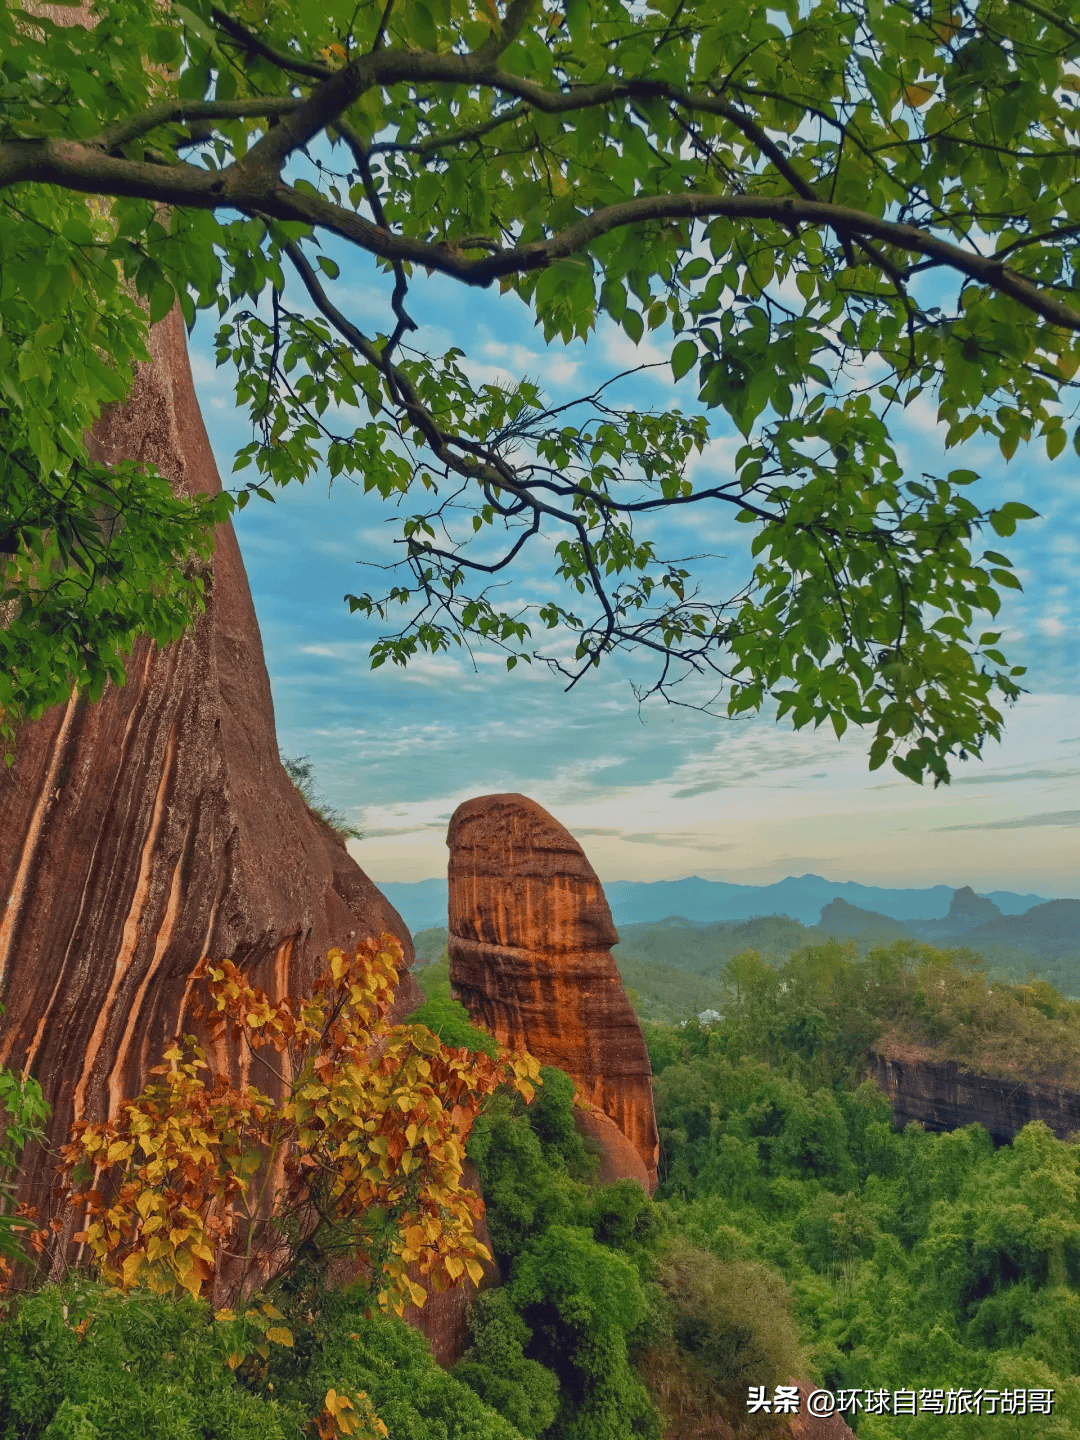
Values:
[(450, 1021), (155, 1368), (575, 1258), (726, 1324), (145, 1366), (496, 1367), (390, 1362)]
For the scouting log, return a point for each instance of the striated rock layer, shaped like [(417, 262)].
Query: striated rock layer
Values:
[(530, 957), (158, 826), (941, 1096)]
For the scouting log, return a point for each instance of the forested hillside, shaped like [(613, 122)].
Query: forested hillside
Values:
[(675, 968)]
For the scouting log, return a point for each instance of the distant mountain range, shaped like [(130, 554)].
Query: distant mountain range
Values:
[(422, 903), (1050, 930)]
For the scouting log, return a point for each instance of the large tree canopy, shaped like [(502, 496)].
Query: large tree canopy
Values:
[(832, 207)]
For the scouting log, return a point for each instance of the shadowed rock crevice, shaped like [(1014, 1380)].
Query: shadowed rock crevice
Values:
[(530, 957)]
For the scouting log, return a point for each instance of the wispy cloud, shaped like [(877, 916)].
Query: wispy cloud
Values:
[(1026, 822)]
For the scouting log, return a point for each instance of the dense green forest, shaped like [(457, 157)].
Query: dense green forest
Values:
[(795, 1233)]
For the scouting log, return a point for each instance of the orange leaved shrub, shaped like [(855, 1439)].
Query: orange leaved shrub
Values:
[(362, 1158)]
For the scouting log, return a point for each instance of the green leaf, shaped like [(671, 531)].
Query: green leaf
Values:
[(78, 231), (683, 358), (806, 284), (162, 298), (634, 325)]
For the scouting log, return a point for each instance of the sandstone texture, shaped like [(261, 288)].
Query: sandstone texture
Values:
[(158, 826), (941, 1096), (530, 957), (619, 1159)]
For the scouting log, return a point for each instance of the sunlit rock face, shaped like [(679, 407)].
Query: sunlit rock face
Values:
[(158, 826), (530, 956)]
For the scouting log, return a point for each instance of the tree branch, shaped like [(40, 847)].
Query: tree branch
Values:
[(254, 185), (292, 64), (181, 112)]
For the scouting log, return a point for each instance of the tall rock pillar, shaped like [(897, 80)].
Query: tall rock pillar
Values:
[(530, 956), (157, 826)]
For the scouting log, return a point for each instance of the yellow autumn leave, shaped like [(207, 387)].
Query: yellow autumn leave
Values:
[(918, 95), (368, 1137)]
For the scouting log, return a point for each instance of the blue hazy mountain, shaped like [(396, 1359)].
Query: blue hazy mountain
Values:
[(422, 903)]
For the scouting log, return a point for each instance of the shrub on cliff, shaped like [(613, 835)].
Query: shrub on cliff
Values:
[(369, 1138)]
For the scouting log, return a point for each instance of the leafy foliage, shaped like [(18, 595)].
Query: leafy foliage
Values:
[(601, 1293), (572, 1256), (91, 555), (23, 1109), (496, 1368), (726, 1323), (832, 210), (79, 1360), (816, 1015), (914, 1258), (369, 1140), (449, 1020)]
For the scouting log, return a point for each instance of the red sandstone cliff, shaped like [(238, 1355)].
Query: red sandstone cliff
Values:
[(158, 826), (530, 956)]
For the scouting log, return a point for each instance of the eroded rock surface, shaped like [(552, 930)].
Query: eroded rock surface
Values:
[(530, 957), (941, 1096), (158, 826)]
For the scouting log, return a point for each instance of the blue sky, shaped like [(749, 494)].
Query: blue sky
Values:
[(667, 792)]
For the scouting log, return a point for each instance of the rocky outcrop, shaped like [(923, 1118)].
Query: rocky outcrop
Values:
[(941, 1096), (530, 957), (619, 1159), (806, 1426), (157, 826)]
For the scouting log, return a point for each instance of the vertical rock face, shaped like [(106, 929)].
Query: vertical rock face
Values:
[(530, 956), (941, 1096), (158, 826)]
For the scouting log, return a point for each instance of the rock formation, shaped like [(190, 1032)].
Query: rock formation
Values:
[(941, 1096), (158, 826), (530, 957), (619, 1159), (967, 911)]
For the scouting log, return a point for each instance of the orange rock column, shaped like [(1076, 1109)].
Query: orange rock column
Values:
[(530, 956)]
